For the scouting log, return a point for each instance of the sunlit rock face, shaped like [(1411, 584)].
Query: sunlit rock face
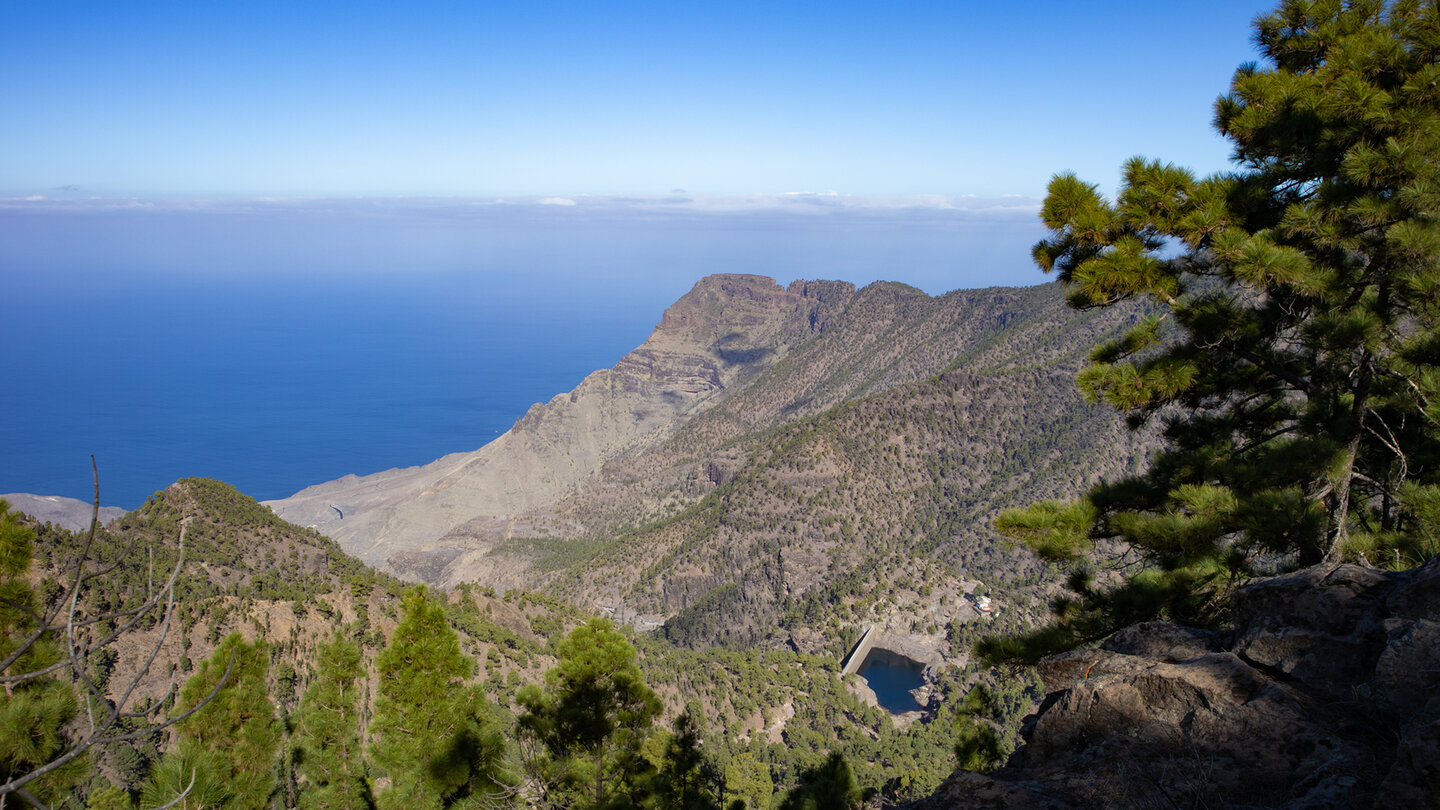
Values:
[(422, 521)]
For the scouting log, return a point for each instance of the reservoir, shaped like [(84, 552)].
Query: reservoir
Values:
[(891, 677)]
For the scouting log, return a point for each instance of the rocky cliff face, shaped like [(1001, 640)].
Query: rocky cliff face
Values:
[(725, 331), (1326, 694), (761, 445)]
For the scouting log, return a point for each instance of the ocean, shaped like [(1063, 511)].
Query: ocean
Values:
[(286, 348)]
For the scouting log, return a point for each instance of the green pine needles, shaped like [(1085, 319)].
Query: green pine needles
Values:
[(227, 746), (587, 726), (1291, 357), (328, 730), (35, 705), (437, 741)]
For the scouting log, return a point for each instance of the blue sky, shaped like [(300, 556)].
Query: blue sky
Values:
[(253, 225), (359, 98)]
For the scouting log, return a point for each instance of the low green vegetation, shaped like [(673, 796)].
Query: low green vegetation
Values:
[(366, 692), (549, 554)]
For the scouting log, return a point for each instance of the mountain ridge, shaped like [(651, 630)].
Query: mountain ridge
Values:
[(607, 495), (708, 340)]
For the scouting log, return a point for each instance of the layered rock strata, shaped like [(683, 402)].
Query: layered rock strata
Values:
[(724, 331)]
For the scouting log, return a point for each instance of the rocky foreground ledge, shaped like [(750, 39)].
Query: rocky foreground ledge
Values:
[(1326, 694)]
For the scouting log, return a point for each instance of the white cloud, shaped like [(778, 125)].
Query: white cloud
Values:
[(806, 205)]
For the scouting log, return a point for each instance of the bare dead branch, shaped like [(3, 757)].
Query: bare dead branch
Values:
[(104, 728), (1389, 440), (134, 615)]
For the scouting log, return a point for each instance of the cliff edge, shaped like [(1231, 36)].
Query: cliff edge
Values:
[(727, 329)]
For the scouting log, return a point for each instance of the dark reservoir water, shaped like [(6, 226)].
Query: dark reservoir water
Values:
[(892, 677)]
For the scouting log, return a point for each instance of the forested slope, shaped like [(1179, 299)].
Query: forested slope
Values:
[(287, 596), (246, 571)]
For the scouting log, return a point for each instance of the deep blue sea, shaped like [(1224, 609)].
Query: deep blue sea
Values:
[(279, 350)]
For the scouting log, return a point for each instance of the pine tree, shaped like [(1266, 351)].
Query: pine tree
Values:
[(34, 707), (977, 738), (687, 779), (748, 782), (229, 745), (831, 785), (108, 797), (1290, 355), (191, 777), (328, 731), (436, 740), (592, 718)]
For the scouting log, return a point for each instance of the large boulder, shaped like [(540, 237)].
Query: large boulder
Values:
[(1323, 626), (1325, 694)]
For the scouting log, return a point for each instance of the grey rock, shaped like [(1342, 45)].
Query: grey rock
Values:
[(1165, 641), (1323, 625), (1407, 674), (1325, 696), (1414, 779), (67, 513), (726, 330)]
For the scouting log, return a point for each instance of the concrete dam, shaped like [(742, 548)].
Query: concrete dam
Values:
[(892, 666)]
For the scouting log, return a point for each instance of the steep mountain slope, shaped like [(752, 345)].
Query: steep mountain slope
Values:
[(887, 336), (880, 506), (852, 482), (770, 462), (736, 355), (721, 334)]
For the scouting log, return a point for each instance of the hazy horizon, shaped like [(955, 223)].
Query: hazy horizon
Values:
[(278, 243), (275, 345)]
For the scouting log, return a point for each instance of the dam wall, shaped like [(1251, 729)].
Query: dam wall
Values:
[(857, 655)]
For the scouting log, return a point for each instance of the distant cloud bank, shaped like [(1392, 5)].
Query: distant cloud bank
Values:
[(934, 242), (807, 204)]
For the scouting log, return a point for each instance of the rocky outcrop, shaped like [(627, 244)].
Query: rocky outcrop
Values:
[(1325, 694), (424, 522)]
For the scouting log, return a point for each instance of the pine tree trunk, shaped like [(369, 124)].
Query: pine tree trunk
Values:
[(1337, 498), (1338, 505), (599, 777)]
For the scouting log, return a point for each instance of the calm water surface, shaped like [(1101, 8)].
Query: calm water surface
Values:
[(892, 677)]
